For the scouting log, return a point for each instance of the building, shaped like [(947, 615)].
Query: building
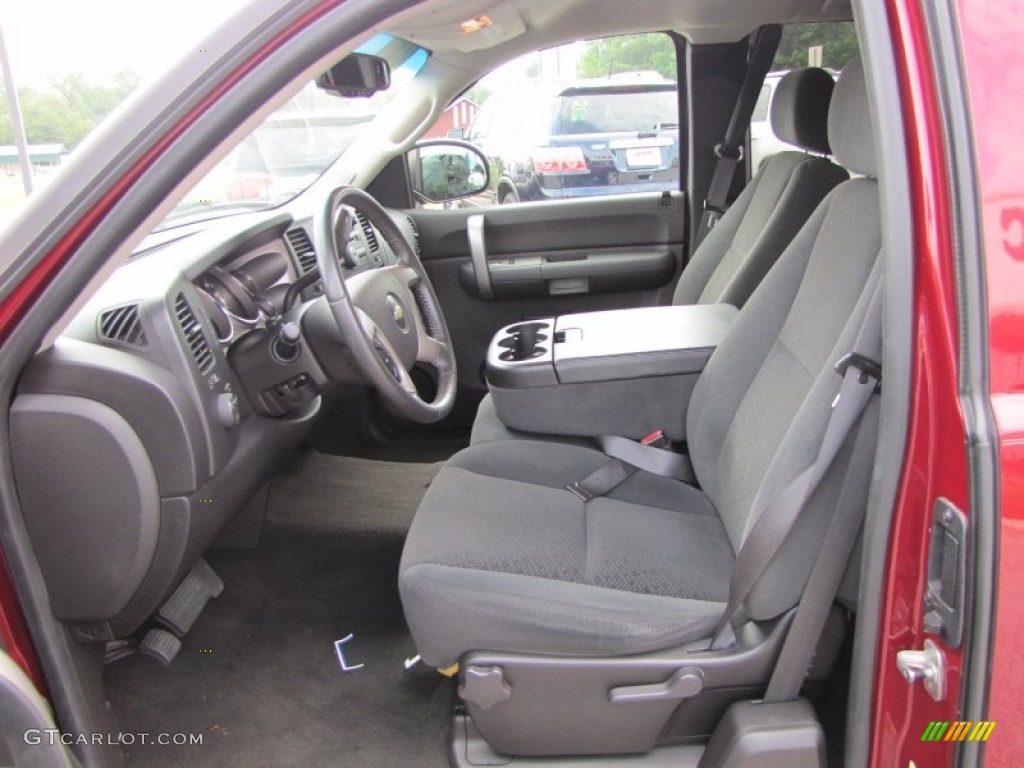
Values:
[(40, 154)]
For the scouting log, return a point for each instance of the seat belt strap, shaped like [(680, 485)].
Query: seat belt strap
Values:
[(730, 149), (823, 583), (773, 523), (628, 456)]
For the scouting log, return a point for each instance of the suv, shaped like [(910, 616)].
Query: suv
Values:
[(592, 137)]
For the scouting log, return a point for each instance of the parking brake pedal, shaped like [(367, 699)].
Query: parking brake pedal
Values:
[(160, 645), (182, 609)]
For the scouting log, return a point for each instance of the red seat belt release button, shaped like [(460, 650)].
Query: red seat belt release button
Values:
[(656, 440)]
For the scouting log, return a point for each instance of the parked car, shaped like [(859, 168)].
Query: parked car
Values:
[(549, 141)]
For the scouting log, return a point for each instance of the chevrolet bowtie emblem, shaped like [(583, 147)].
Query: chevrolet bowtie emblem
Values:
[(397, 312)]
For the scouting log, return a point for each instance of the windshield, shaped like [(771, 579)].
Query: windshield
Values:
[(296, 144)]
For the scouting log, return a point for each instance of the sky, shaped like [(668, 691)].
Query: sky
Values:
[(100, 37)]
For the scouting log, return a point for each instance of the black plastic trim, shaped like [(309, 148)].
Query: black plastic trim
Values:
[(875, 39)]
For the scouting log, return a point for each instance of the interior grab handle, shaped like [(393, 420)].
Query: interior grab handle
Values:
[(478, 252)]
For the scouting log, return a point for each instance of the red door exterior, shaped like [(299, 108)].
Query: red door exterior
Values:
[(936, 463), (994, 59)]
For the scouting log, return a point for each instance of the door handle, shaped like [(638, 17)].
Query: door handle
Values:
[(928, 665)]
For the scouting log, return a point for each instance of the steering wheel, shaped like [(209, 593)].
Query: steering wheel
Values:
[(389, 316)]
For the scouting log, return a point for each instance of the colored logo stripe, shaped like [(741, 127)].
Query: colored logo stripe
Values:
[(961, 730)]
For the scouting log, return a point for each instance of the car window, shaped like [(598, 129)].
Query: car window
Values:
[(761, 107), (618, 110), (827, 44), (294, 145), (595, 117)]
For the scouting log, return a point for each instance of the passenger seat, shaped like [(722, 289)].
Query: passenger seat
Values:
[(501, 557), (746, 242)]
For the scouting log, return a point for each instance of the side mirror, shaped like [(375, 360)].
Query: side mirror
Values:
[(357, 75), (443, 170)]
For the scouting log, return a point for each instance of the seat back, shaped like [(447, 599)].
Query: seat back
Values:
[(759, 411), (737, 254)]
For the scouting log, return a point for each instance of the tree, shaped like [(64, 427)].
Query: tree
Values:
[(838, 41), (68, 113), (629, 53)]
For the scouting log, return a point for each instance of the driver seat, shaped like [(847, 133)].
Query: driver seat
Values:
[(502, 558)]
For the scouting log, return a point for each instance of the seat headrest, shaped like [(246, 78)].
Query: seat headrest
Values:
[(849, 122), (800, 108)]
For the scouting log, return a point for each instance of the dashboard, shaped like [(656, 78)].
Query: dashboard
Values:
[(170, 395)]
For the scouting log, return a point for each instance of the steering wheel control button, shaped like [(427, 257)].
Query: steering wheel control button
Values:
[(389, 361), (227, 409), (398, 313), (288, 395)]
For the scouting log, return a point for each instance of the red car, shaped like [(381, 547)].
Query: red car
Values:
[(727, 474)]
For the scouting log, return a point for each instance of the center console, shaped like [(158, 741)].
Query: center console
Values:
[(623, 372)]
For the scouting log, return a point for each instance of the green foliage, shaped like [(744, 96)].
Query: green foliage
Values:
[(839, 41), (69, 112), (629, 53), (656, 51)]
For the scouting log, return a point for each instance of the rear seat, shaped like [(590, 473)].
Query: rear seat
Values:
[(746, 242)]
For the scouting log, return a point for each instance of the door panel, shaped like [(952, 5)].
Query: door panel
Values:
[(492, 267)]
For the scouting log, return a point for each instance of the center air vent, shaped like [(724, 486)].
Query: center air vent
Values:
[(122, 325), (303, 248), (371, 235), (194, 336)]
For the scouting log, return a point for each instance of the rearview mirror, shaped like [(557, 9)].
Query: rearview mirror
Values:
[(357, 75), (444, 170)]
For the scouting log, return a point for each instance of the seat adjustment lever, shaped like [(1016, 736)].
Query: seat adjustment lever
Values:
[(684, 683)]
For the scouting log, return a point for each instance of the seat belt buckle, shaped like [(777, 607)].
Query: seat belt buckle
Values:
[(656, 439), (579, 492), (714, 210), (867, 368)]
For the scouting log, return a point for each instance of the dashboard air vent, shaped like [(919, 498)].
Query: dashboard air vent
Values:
[(371, 235), (303, 249), (194, 336), (415, 235), (122, 325)]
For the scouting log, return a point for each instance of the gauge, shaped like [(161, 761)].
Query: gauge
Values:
[(262, 272), (213, 310), (229, 292)]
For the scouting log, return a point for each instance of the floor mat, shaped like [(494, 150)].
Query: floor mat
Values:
[(258, 676)]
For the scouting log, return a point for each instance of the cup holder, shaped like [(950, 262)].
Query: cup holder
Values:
[(523, 342)]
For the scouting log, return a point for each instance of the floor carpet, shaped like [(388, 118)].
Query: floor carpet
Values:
[(258, 676)]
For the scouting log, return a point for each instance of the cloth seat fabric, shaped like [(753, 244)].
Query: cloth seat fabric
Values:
[(502, 557)]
